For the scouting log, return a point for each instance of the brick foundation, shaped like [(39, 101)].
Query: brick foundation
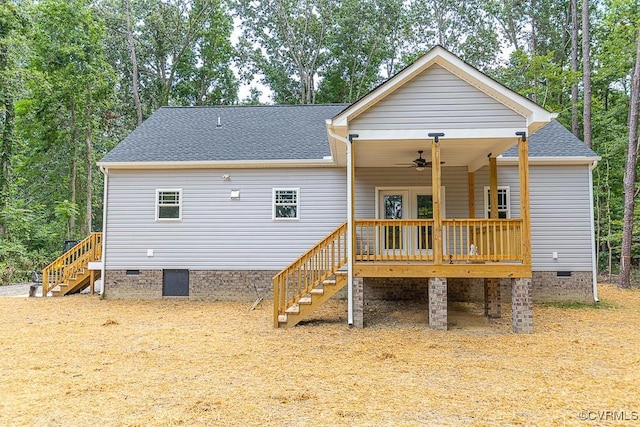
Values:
[(438, 303), (493, 303), (396, 289), (546, 286), (236, 285), (521, 306)]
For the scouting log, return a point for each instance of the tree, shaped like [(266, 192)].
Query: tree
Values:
[(70, 90), (586, 73), (630, 173), (12, 27), (291, 37), (574, 66), (355, 60), (186, 53), (134, 61), (465, 27)]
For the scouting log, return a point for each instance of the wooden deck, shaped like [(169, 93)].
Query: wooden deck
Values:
[(425, 269)]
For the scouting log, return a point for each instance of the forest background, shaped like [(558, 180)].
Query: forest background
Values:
[(76, 76)]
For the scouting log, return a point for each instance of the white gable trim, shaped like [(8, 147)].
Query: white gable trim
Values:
[(535, 115)]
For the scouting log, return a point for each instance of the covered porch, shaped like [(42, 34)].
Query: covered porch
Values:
[(421, 154), (411, 234)]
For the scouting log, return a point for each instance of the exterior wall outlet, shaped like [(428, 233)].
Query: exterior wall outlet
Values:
[(554, 255), (149, 252)]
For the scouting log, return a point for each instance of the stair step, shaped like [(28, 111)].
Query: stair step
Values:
[(329, 282), (282, 318), (305, 300), (294, 309), (317, 291)]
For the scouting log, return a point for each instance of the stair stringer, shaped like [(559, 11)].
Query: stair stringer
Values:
[(299, 311)]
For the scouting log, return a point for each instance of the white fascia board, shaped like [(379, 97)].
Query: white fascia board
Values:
[(230, 164), (575, 160), (412, 134)]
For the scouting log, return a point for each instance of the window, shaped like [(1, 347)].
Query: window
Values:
[(285, 203), (504, 202), (168, 205)]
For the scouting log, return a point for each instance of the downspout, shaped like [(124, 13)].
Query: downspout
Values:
[(103, 276), (594, 265), (350, 228)]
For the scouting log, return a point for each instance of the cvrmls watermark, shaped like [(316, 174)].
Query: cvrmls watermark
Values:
[(609, 415)]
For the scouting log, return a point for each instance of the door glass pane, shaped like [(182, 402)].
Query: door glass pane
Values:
[(393, 210), (425, 211)]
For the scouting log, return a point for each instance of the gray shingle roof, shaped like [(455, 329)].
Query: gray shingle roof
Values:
[(247, 133), (285, 132), (554, 140)]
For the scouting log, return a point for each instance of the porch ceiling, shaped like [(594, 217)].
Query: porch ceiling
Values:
[(471, 153)]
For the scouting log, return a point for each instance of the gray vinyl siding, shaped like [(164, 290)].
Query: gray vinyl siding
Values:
[(217, 232), (560, 213), (437, 99), (454, 179)]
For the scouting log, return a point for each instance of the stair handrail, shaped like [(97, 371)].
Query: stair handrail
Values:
[(309, 270), (69, 263)]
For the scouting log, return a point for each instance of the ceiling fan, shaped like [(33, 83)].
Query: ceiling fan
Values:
[(420, 163)]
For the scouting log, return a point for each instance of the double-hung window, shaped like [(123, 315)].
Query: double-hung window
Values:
[(286, 203), (168, 205), (504, 202)]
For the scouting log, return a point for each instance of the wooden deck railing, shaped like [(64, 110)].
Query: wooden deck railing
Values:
[(71, 262), (394, 240), (492, 240), (412, 240), (309, 270)]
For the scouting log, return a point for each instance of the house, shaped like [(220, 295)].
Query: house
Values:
[(439, 184)]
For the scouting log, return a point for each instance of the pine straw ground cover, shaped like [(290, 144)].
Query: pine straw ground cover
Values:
[(83, 361)]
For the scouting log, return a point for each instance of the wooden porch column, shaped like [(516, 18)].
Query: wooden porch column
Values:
[(525, 213), (437, 217), (472, 195), (493, 187)]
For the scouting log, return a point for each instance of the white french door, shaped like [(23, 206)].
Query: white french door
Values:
[(405, 203)]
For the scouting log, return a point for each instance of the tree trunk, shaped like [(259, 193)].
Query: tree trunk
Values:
[(534, 48), (586, 73), (74, 168), (89, 144), (630, 174), (134, 62), (5, 155), (574, 66)]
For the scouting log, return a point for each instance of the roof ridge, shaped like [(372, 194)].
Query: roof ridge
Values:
[(250, 106)]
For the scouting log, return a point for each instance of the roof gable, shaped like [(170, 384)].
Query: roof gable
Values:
[(535, 116), (436, 98)]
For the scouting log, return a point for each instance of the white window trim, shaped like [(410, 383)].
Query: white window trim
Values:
[(487, 214), (157, 203), (273, 204)]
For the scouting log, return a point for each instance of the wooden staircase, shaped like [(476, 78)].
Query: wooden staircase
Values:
[(70, 273), (312, 279)]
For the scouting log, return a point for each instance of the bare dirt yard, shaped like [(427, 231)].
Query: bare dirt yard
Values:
[(81, 361)]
